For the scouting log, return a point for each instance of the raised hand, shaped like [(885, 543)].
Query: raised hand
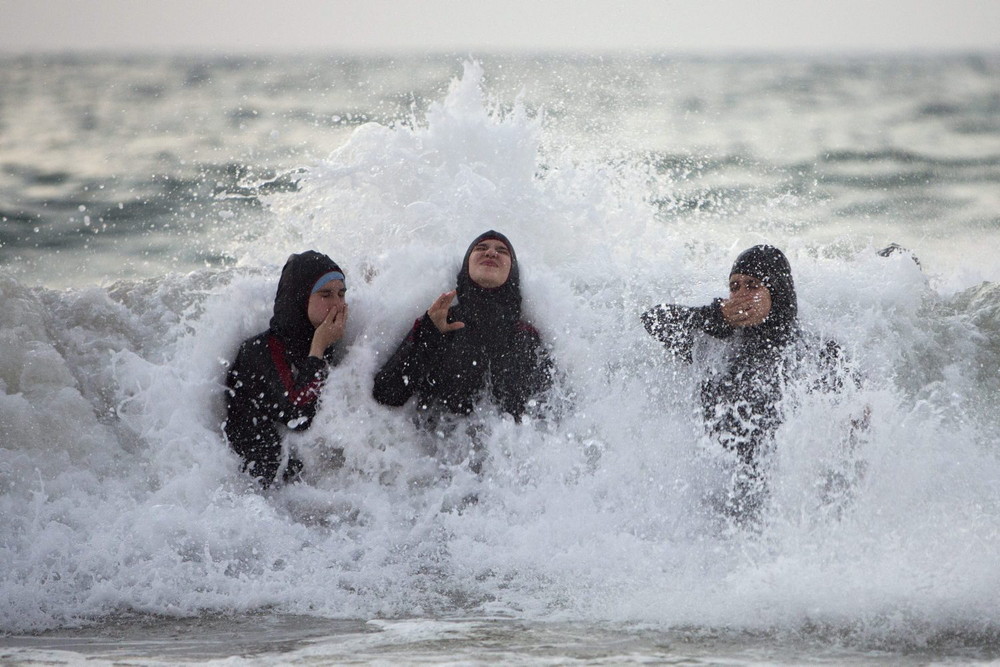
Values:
[(438, 312), (745, 309), (330, 330)]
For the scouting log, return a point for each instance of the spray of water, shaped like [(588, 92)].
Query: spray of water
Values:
[(119, 494)]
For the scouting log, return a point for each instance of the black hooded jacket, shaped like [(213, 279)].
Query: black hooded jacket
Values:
[(273, 383), (742, 403), (496, 354)]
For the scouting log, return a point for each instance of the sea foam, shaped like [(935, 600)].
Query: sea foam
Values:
[(120, 495)]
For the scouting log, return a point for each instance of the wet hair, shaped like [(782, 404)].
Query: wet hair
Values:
[(769, 265), (290, 321)]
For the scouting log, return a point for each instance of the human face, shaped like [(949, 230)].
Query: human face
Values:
[(489, 263), (322, 301), (749, 301)]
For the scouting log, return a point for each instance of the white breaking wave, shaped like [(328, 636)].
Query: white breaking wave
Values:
[(119, 494)]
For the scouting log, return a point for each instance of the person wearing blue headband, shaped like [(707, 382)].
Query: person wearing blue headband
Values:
[(456, 356), (274, 383), (758, 325)]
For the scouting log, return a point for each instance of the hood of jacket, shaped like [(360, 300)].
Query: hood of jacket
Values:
[(290, 320), (769, 265), (489, 307)]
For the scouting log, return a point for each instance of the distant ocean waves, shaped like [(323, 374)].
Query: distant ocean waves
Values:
[(164, 169)]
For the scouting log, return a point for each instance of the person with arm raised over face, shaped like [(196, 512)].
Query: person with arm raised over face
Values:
[(274, 383), (764, 346)]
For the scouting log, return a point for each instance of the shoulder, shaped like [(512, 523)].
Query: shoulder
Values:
[(259, 339), (254, 344), (252, 355)]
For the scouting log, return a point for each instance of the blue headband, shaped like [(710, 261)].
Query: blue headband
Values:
[(327, 277)]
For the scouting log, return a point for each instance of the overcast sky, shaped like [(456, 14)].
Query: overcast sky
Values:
[(474, 26)]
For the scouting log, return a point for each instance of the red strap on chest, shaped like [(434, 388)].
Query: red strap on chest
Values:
[(303, 395)]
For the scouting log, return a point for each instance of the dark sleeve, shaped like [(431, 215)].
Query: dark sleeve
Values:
[(529, 374), (675, 326), (409, 364)]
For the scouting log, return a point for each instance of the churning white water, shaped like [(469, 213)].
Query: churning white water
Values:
[(119, 496)]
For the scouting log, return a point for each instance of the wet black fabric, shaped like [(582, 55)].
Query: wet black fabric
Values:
[(742, 401), (495, 355), (273, 384)]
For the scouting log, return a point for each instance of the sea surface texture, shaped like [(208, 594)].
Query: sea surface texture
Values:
[(148, 204)]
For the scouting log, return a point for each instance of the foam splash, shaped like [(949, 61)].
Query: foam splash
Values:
[(119, 494)]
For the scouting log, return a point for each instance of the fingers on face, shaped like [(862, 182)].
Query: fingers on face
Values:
[(337, 314)]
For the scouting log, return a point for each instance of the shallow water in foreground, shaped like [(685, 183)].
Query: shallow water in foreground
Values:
[(307, 640)]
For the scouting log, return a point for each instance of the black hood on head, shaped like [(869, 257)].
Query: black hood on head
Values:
[(771, 267), (290, 321), (480, 302)]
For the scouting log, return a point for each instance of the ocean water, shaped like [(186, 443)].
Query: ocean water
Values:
[(147, 205)]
